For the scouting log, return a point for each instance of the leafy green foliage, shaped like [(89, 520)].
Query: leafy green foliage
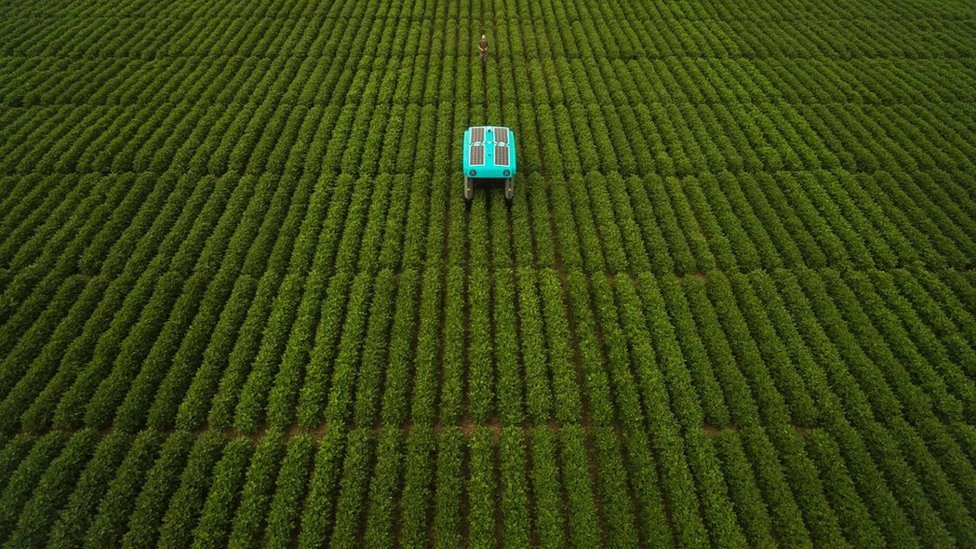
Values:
[(228, 479), (52, 491), (92, 486), (242, 302)]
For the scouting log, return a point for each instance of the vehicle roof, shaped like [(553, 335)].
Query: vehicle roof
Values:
[(490, 148)]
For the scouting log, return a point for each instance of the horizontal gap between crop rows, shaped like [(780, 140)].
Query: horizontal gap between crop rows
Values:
[(467, 428), (17, 103), (769, 17), (612, 276), (521, 57), (547, 174)]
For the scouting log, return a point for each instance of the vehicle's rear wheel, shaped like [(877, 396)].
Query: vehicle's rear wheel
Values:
[(468, 188), (509, 189)]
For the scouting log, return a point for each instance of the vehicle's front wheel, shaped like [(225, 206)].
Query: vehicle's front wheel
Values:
[(468, 188), (509, 189)]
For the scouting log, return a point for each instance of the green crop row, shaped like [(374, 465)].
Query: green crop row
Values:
[(382, 497), (216, 513)]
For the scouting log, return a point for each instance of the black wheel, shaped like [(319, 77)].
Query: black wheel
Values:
[(509, 189), (468, 189)]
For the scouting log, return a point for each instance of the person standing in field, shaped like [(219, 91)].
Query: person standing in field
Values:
[(483, 49)]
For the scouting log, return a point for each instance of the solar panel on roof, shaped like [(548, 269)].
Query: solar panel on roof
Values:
[(477, 155), (501, 154), (477, 135), (501, 135)]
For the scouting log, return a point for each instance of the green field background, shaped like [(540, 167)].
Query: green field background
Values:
[(242, 301)]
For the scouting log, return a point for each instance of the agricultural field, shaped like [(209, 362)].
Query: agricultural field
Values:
[(242, 301)]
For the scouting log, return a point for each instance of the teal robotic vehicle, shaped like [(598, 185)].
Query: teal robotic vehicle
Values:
[(489, 154)]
